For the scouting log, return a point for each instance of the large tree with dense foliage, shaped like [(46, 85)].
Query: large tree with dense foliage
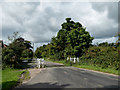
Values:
[(71, 40)]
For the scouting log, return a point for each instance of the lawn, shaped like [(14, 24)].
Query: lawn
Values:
[(11, 77)]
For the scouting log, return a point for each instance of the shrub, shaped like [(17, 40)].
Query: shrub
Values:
[(104, 57)]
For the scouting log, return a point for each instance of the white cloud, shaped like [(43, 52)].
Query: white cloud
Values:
[(38, 45), (40, 21), (110, 40), (0, 23)]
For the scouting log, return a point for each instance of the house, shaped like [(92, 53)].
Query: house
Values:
[(2, 45)]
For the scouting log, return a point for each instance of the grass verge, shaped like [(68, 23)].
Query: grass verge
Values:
[(25, 76), (106, 70), (12, 77), (96, 68)]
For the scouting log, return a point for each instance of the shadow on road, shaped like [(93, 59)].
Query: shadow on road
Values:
[(54, 65), (62, 87), (28, 64), (112, 86), (48, 86), (43, 85)]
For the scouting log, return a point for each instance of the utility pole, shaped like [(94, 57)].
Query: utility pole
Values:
[(33, 46), (33, 49)]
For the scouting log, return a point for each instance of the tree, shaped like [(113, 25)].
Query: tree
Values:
[(14, 36), (104, 44), (118, 41), (79, 39), (72, 39), (69, 25), (13, 52), (27, 53)]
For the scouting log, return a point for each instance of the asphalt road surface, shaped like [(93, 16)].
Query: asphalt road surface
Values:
[(59, 76)]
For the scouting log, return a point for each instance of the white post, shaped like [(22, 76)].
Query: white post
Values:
[(42, 62), (77, 59), (74, 60), (39, 63), (70, 59)]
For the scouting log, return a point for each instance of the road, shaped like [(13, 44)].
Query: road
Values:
[(59, 76)]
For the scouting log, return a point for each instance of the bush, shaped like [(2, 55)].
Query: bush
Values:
[(104, 57), (17, 49)]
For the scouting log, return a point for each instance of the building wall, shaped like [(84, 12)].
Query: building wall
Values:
[(1, 44)]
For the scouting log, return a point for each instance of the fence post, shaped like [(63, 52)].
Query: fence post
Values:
[(77, 59), (42, 62), (67, 58), (74, 60), (39, 63), (70, 59)]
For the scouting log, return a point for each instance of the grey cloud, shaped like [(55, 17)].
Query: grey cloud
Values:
[(111, 30), (102, 31), (43, 20), (8, 31), (111, 7)]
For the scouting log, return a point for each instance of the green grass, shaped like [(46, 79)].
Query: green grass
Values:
[(107, 70), (11, 77), (26, 75), (0, 79)]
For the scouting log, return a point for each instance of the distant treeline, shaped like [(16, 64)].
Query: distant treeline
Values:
[(73, 40)]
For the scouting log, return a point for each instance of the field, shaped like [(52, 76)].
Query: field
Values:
[(11, 77)]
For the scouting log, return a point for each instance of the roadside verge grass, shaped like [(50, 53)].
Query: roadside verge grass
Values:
[(12, 77), (106, 70)]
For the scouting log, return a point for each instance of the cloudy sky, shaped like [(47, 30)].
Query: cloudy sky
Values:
[(40, 21)]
